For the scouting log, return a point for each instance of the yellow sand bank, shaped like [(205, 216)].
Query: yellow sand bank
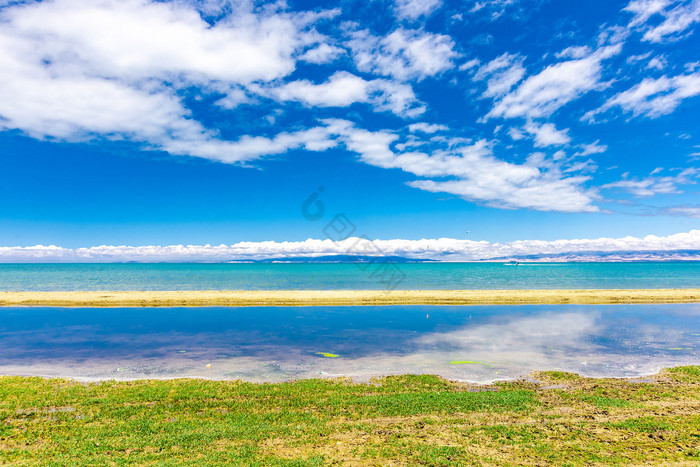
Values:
[(348, 297)]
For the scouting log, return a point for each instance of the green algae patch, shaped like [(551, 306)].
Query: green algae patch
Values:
[(327, 354), (468, 362)]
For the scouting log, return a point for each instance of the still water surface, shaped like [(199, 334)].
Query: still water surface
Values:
[(475, 343)]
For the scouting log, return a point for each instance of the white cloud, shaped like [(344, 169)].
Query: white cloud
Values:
[(134, 39), (637, 58), (248, 148), (612, 35), (74, 70), (645, 187), (442, 248), (592, 148), (587, 166), (678, 17), (542, 192), (494, 8), (574, 52), (516, 134), (501, 74), (414, 9), (426, 127), (323, 53), (547, 134), (343, 89), (403, 54), (544, 93), (472, 172), (645, 9), (657, 63), (653, 185), (653, 97), (686, 211), (73, 105), (234, 96), (469, 64), (691, 67)]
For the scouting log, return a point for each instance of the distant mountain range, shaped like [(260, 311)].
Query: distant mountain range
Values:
[(612, 256), (338, 259), (570, 257)]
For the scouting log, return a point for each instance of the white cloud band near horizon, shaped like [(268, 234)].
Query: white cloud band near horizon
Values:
[(445, 249)]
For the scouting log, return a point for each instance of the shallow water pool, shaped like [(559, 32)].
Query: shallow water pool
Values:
[(473, 343)]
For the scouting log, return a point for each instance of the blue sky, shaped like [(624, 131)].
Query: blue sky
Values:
[(163, 123)]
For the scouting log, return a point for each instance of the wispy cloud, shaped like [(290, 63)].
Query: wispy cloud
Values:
[(574, 52), (592, 148), (403, 54), (645, 9), (470, 170), (542, 94), (656, 184), (657, 63), (684, 210), (652, 97), (501, 74), (414, 9), (424, 127), (678, 17), (494, 9)]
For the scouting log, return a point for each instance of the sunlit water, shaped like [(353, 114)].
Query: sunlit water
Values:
[(48, 277), (473, 343)]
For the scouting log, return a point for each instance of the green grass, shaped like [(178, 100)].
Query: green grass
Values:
[(561, 375), (603, 402), (408, 420), (686, 373)]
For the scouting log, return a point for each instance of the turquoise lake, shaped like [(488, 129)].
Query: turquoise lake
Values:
[(373, 276)]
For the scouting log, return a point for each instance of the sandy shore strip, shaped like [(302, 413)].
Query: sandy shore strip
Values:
[(347, 297)]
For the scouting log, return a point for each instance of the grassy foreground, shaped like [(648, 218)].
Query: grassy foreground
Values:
[(407, 420)]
